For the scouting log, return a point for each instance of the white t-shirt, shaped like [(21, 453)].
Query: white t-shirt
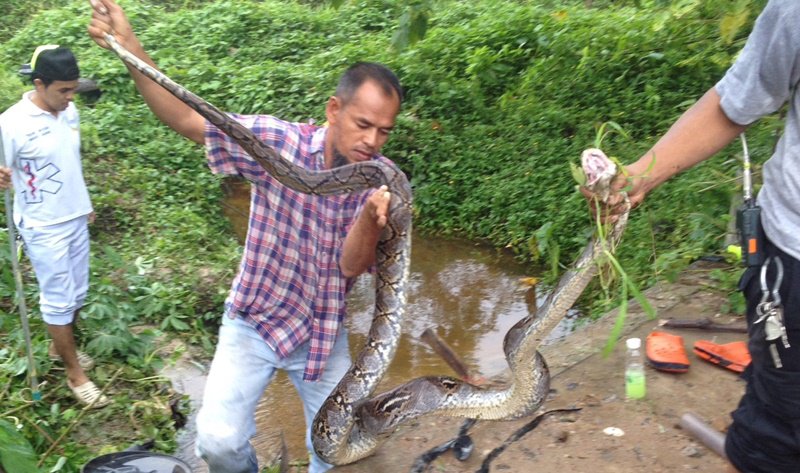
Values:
[(43, 152)]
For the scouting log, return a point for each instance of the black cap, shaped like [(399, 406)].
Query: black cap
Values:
[(55, 63)]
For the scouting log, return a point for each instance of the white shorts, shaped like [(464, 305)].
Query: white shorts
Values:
[(60, 257)]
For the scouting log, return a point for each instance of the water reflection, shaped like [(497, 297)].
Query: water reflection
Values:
[(470, 294)]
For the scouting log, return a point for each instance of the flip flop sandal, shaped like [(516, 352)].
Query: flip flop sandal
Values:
[(89, 395), (734, 356), (86, 361), (665, 352)]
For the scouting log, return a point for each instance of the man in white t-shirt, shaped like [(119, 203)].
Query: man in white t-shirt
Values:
[(52, 209)]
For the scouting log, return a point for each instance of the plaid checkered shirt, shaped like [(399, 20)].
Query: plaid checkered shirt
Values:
[(289, 286)]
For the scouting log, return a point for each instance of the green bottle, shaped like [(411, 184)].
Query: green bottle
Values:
[(634, 370)]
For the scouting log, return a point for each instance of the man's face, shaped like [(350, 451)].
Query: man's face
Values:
[(359, 128), (55, 97)]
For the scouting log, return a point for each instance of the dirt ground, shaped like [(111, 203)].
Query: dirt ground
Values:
[(582, 378)]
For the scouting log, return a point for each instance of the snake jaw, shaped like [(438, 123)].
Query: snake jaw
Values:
[(600, 172)]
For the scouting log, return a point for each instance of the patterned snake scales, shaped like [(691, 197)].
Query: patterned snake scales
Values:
[(351, 424)]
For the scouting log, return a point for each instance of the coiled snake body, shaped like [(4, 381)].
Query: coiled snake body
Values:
[(350, 424)]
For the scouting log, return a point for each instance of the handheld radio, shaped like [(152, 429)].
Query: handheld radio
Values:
[(748, 217)]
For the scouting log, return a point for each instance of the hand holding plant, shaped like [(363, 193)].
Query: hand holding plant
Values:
[(602, 181)]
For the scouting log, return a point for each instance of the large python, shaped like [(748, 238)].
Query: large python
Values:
[(351, 424)]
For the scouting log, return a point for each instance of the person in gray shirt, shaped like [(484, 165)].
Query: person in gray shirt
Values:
[(765, 433)]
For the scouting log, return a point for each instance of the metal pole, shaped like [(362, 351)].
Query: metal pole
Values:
[(710, 437), (23, 310), (747, 180)]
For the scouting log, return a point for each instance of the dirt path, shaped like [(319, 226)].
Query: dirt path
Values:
[(583, 378)]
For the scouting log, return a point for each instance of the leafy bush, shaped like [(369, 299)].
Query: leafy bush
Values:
[(505, 95)]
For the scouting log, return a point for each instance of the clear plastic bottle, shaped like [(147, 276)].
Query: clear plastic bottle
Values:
[(634, 370)]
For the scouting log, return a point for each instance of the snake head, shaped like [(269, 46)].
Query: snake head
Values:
[(599, 171)]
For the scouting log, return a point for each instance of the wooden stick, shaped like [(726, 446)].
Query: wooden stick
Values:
[(26, 405), (38, 429), (441, 348), (77, 419), (703, 324)]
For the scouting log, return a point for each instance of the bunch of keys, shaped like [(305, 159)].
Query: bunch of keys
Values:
[(770, 311)]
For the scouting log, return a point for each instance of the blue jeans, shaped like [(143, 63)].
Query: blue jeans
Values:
[(241, 370)]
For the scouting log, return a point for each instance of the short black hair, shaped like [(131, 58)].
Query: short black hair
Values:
[(45, 80), (52, 64), (361, 72)]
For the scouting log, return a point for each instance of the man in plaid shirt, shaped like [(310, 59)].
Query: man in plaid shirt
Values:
[(286, 304)]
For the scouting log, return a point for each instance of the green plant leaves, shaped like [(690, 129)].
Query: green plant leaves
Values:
[(577, 174), (16, 454), (413, 25), (734, 21)]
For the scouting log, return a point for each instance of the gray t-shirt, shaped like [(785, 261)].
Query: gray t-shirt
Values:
[(763, 78)]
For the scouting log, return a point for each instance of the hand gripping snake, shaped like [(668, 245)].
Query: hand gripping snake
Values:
[(350, 425)]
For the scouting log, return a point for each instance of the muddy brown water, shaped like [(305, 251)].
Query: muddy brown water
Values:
[(469, 294)]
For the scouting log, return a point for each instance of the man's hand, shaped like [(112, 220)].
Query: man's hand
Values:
[(605, 185), (109, 18), (5, 178), (609, 210), (358, 251), (377, 207)]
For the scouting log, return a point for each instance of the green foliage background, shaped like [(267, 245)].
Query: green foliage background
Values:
[(502, 96)]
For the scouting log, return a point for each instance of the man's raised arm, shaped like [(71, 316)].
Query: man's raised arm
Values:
[(109, 18)]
